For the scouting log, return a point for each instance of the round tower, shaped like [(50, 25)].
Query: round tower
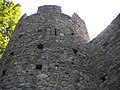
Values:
[(41, 52)]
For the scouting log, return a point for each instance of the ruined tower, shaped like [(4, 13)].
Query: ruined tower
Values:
[(42, 50), (52, 51)]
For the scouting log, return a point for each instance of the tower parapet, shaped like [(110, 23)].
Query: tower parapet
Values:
[(49, 9)]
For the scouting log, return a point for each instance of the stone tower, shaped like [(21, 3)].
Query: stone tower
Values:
[(52, 51), (42, 52)]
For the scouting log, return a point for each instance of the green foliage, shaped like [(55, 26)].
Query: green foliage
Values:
[(9, 16)]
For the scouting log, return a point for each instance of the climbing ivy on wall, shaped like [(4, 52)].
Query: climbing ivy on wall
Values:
[(9, 16)]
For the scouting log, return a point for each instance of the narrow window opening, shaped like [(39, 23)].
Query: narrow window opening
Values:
[(39, 30), (55, 32), (75, 50), (12, 53), (103, 78), (39, 66), (72, 63), (72, 33), (3, 73), (40, 46), (20, 35)]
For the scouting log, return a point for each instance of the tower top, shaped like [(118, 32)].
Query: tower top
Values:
[(49, 9)]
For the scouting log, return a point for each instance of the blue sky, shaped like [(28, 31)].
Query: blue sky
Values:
[(97, 14)]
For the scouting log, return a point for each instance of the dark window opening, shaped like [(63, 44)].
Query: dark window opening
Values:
[(3, 73), (20, 36), (75, 50), (103, 78), (57, 65), (39, 66), (12, 53), (72, 33), (40, 46), (72, 63), (39, 30), (55, 32)]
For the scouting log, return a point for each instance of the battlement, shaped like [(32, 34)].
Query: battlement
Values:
[(49, 9)]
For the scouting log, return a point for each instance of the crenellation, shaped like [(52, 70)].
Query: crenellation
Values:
[(49, 9), (81, 28)]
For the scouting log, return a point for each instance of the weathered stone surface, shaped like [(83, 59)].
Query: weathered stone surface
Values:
[(49, 9), (52, 51), (81, 27), (105, 56)]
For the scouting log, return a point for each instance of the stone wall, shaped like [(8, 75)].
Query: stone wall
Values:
[(52, 51), (105, 56)]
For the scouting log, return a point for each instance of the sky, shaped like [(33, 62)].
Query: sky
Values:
[(97, 14)]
